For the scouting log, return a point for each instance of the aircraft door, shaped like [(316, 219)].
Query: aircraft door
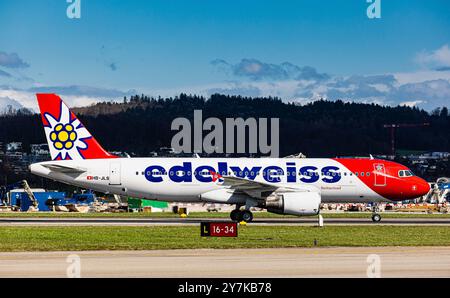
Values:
[(380, 174), (114, 173)]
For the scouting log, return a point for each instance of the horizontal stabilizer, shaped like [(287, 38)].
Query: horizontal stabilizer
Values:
[(64, 169)]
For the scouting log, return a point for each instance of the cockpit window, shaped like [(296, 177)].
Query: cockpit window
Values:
[(405, 173), (409, 173)]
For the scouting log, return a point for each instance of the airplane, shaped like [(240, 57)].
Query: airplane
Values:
[(291, 186)]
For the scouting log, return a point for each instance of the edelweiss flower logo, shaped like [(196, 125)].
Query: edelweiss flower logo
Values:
[(63, 136), (67, 135)]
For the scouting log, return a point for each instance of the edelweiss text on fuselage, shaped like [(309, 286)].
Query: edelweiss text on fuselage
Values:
[(185, 173)]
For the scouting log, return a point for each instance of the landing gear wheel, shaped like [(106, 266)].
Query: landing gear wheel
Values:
[(235, 215), (247, 216), (376, 217)]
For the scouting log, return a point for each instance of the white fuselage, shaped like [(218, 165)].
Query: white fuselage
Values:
[(156, 178)]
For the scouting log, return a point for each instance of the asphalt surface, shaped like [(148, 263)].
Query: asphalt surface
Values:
[(196, 221), (284, 262)]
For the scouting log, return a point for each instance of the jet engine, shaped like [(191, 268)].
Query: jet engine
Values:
[(294, 203)]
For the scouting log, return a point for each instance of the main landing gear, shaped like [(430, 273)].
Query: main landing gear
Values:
[(241, 215)]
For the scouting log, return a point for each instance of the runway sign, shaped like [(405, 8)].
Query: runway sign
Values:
[(218, 229)]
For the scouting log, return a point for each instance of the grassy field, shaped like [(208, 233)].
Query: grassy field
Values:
[(211, 215), (149, 238)]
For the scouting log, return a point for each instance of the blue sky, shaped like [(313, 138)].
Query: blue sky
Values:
[(243, 47)]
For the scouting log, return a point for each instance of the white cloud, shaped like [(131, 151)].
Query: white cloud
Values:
[(438, 59), (411, 103), (74, 96), (388, 89), (256, 70), (12, 60), (426, 89), (420, 76)]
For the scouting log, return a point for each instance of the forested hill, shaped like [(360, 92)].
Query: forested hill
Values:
[(323, 128)]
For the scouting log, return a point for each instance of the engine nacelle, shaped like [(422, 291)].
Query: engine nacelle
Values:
[(294, 203)]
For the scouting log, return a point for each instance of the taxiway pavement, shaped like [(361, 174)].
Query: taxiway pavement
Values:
[(279, 262)]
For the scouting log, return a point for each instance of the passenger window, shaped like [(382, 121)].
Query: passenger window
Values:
[(368, 174)]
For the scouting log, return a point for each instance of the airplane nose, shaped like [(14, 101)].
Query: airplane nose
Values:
[(422, 187)]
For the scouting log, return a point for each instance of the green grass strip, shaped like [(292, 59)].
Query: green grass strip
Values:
[(169, 237), (209, 215)]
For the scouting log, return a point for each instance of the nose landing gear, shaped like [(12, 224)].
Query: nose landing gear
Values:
[(376, 217)]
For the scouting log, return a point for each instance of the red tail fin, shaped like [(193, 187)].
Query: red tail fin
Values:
[(67, 138)]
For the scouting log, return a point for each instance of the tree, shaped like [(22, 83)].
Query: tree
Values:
[(444, 112)]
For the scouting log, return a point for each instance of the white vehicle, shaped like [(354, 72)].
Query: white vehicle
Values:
[(286, 186)]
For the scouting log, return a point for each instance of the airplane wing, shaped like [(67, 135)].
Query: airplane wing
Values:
[(245, 184), (64, 169), (255, 188)]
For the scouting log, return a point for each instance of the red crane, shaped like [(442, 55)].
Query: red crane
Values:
[(394, 126)]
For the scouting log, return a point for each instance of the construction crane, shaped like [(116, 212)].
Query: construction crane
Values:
[(393, 127)]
